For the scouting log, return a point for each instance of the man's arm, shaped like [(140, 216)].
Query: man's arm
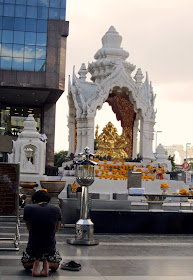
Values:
[(58, 226), (27, 225)]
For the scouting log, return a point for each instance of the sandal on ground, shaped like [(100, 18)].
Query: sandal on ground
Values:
[(73, 266)]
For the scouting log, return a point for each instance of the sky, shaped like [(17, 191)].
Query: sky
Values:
[(158, 36)]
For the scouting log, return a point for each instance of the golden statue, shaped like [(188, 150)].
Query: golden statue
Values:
[(109, 142)]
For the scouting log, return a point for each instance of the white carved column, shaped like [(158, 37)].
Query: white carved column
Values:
[(71, 125), (90, 134), (84, 135), (146, 139), (71, 136), (79, 137), (135, 131), (141, 138)]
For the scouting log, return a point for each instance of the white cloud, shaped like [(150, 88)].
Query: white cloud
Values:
[(18, 55)]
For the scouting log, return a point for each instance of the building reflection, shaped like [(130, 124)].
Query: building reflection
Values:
[(23, 32), (12, 118)]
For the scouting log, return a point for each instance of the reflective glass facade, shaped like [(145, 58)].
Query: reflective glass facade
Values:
[(12, 118), (23, 32)]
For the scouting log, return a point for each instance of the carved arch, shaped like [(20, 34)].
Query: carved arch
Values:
[(119, 78)]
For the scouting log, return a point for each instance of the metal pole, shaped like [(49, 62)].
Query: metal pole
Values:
[(84, 208), (187, 144), (155, 141), (84, 226), (186, 152)]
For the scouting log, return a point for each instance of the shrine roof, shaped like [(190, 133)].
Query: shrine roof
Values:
[(87, 90)]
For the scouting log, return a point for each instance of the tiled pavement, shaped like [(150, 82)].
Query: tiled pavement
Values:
[(123, 257)]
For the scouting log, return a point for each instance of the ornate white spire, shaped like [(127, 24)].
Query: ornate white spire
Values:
[(111, 46), (152, 95), (111, 39), (139, 77), (29, 130), (109, 56), (82, 72)]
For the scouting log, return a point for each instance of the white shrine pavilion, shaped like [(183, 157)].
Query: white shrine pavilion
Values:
[(131, 99)]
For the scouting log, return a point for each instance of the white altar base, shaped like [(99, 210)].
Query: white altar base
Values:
[(108, 187)]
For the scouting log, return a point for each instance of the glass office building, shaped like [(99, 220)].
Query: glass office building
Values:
[(32, 62), (23, 32)]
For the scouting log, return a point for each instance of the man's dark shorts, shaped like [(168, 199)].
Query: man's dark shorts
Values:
[(54, 258)]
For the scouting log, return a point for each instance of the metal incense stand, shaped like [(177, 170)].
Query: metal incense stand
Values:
[(84, 177)]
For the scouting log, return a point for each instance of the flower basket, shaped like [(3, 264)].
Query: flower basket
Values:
[(164, 187)]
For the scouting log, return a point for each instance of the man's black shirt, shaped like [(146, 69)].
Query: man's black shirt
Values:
[(42, 220)]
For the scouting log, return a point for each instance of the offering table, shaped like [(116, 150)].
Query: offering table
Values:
[(155, 201)]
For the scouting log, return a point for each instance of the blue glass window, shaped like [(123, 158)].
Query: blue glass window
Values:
[(30, 38), (44, 3), (42, 26), (41, 39), (42, 12), (32, 12), (18, 37), (9, 10), (31, 25), (10, 1), (7, 36), (32, 2), (18, 50), (29, 64), (55, 3), (41, 52), (6, 50), (54, 13), (63, 4), (8, 23), (17, 64), (21, 2), (40, 65), (1, 22), (20, 11), (6, 63), (24, 32), (19, 24), (29, 52), (62, 14), (1, 9)]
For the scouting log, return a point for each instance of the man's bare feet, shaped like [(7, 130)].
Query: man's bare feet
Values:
[(45, 270), (36, 269)]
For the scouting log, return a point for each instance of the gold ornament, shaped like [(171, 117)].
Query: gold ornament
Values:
[(110, 142)]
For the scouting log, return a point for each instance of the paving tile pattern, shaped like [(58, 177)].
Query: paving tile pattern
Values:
[(123, 257)]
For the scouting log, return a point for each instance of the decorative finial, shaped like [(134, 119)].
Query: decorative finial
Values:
[(112, 39), (139, 77), (83, 72)]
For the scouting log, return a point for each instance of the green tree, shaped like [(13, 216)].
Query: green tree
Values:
[(95, 145), (59, 158), (172, 159)]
